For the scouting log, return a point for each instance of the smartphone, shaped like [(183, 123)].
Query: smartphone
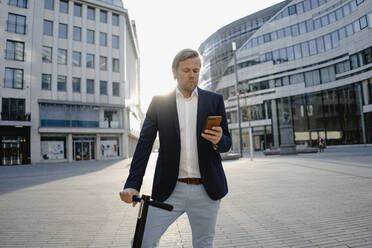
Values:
[(212, 121)]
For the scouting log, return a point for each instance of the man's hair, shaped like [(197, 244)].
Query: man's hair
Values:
[(185, 54)]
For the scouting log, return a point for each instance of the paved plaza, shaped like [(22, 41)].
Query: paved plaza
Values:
[(306, 200)]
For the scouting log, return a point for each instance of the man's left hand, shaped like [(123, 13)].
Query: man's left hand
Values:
[(213, 135)]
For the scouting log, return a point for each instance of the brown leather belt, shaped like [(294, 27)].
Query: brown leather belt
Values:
[(195, 181)]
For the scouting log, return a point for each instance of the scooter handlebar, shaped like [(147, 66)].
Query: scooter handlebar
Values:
[(152, 202)]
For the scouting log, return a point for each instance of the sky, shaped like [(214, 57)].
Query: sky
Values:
[(165, 27)]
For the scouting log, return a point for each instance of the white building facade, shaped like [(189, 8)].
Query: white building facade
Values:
[(312, 60), (71, 81)]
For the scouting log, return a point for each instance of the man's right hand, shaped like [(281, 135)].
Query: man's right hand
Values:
[(127, 195)]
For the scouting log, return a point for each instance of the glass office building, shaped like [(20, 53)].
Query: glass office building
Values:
[(313, 60), (217, 50)]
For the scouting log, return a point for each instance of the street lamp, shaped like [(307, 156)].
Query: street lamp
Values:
[(238, 104), (237, 99)]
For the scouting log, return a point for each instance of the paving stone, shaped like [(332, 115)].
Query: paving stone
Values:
[(308, 200)]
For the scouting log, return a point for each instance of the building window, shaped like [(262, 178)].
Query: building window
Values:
[(325, 20), (335, 39), (76, 83), (90, 60), (90, 36), (294, 30), (267, 37), (297, 51), (62, 31), (115, 19), (90, 86), (292, 9), (16, 24), (13, 78), (63, 6), (307, 5), (47, 54), (103, 39), (46, 81), (346, 9), (290, 53), (77, 9), (268, 56), (115, 65), (18, 3), (13, 109), (48, 27), (91, 13), (283, 54), (14, 50), (300, 8), (116, 89), (103, 63), (332, 17), (339, 14), (103, 16), (274, 35), (115, 41), (302, 27), (342, 33), (312, 46), (103, 87), (62, 56), (77, 33), (76, 58), (314, 4), (363, 22), (327, 42), (309, 25), (354, 64), (49, 4), (62, 83), (312, 78), (349, 30), (317, 24)]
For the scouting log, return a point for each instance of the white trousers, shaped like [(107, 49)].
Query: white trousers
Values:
[(200, 209)]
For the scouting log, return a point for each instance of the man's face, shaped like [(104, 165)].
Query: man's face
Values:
[(187, 74)]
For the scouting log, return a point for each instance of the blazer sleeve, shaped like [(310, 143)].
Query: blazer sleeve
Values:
[(225, 143), (143, 148)]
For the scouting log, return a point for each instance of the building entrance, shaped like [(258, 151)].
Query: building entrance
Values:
[(83, 148), (14, 146), (315, 134)]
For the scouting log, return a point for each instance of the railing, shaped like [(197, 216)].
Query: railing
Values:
[(78, 123), (5, 116), (107, 124)]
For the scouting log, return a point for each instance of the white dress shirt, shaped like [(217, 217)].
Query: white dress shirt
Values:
[(187, 109)]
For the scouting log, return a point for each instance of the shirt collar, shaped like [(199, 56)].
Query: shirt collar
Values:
[(194, 93)]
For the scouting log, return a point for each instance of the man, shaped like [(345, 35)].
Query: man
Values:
[(188, 173)]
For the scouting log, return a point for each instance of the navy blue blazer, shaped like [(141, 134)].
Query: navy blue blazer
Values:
[(162, 117)]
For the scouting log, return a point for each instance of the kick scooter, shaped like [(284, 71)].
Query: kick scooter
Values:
[(145, 202)]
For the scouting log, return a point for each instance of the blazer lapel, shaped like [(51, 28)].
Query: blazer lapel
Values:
[(200, 118), (173, 107)]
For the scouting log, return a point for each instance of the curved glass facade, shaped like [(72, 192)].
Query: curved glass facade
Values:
[(217, 49), (318, 69), (308, 25)]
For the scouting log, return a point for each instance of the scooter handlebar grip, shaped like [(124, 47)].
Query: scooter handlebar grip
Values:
[(136, 198), (161, 205)]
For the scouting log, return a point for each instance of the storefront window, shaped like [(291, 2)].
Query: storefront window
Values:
[(110, 147), (53, 147)]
